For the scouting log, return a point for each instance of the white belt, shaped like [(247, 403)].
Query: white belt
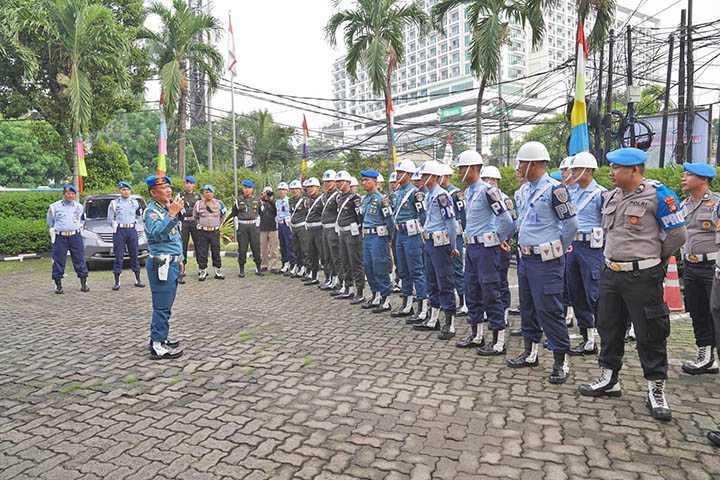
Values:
[(286, 221), (583, 237), (297, 225), (246, 222), (69, 234), (328, 225), (700, 257), (208, 229), (345, 229), (529, 250), (126, 225), (313, 224), (474, 240), (632, 266)]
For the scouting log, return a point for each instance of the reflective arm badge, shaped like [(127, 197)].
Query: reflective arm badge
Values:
[(561, 203), (494, 199), (668, 214), (445, 206), (419, 201)]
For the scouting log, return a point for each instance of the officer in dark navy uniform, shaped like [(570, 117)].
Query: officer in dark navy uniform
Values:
[(122, 215), (188, 227), (65, 219)]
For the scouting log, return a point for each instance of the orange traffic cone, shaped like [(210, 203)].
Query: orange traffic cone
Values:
[(671, 293)]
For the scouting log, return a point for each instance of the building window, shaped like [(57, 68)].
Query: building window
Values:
[(433, 51), (433, 77), (456, 57), (433, 64), (455, 30), (443, 47), (413, 71), (423, 68), (444, 74), (444, 60), (456, 72), (455, 44)]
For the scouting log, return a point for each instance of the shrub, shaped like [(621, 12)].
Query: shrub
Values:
[(26, 205), (23, 236), (106, 165)]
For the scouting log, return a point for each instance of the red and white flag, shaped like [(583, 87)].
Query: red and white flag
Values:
[(448, 157), (232, 60)]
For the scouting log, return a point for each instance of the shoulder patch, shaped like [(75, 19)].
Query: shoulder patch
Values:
[(419, 196), (668, 215), (443, 200), (561, 203)]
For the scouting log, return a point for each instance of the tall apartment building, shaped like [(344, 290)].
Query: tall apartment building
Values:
[(436, 73)]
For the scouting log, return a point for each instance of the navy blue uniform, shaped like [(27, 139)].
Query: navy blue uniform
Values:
[(65, 220)]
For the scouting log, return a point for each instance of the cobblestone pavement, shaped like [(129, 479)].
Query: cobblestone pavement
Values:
[(278, 381)]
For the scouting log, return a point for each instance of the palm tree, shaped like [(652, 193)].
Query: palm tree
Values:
[(373, 34), (604, 11), (177, 43), (490, 21), (83, 29)]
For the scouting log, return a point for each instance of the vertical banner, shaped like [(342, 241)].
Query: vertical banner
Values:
[(162, 140), (391, 114), (306, 134), (448, 156), (579, 137), (82, 169)]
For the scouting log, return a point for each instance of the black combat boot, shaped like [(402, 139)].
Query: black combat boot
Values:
[(383, 305), (116, 286), (656, 401), (608, 385), (587, 346), (432, 322), (560, 370), (447, 331), (241, 273), (421, 315), (138, 282), (406, 309), (371, 302), (528, 358), (83, 285), (474, 338), (58, 286), (358, 298), (496, 348)]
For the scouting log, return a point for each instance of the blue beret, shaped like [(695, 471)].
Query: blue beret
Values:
[(369, 173), (627, 157), (157, 180), (209, 188), (190, 179), (557, 175), (123, 184), (69, 186), (248, 184), (700, 169)]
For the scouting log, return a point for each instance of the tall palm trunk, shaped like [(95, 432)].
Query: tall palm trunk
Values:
[(182, 120), (390, 139), (478, 115)]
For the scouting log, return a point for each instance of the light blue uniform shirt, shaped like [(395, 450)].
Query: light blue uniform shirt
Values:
[(485, 211), (162, 230), (538, 220), (376, 210), (588, 202), (123, 210), (440, 214), (406, 204), (282, 205), (66, 216)]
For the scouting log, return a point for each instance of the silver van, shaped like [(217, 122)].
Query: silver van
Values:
[(98, 234)]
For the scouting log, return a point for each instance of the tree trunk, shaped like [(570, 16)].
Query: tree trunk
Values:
[(478, 116), (182, 120), (390, 139)]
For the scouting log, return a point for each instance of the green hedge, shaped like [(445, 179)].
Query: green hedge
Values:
[(23, 236), (26, 205)]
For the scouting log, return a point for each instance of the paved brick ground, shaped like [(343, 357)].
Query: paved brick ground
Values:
[(278, 381)]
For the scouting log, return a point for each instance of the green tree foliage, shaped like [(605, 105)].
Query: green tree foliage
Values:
[(31, 154), (137, 133), (107, 165)]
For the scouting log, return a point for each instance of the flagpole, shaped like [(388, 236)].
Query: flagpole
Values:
[(234, 134)]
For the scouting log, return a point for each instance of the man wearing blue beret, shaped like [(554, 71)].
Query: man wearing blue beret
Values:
[(123, 213), (644, 225), (188, 227), (162, 218), (699, 258), (247, 212), (65, 219)]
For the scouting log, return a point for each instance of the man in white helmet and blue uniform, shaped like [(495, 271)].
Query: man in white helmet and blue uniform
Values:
[(546, 228)]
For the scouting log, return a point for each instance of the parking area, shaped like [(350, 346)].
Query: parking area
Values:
[(279, 381)]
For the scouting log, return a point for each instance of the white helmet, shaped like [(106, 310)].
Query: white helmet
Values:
[(532, 152), (380, 178), (416, 176), (490, 171), (295, 184), (432, 167), (583, 160), (343, 176), (468, 158), (282, 186), (311, 182), (353, 182), (447, 170), (329, 176), (566, 163), (406, 166), (393, 177)]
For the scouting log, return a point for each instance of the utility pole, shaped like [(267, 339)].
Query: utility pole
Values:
[(608, 97), (690, 119), (680, 126), (208, 103), (502, 110), (631, 105), (598, 147), (666, 101)]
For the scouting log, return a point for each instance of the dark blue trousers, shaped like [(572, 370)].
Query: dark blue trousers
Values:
[(439, 275), (77, 253), (125, 238), (482, 286), (458, 267), (287, 254), (377, 263), (410, 267), (505, 296), (163, 297), (541, 287), (584, 265)]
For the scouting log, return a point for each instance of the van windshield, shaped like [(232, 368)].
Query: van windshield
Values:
[(96, 208)]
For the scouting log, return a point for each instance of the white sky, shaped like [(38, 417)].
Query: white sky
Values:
[(281, 48)]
